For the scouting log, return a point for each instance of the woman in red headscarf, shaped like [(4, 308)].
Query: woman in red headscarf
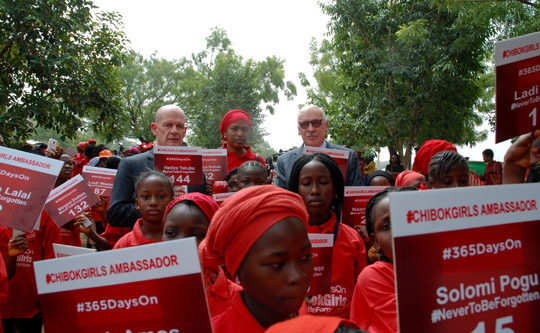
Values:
[(259, 234), (234, 128)]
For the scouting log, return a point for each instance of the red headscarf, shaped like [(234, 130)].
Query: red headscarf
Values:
[(204, 202), (310, 323), (426, 152), (406, 177), (230, 118), (242, 219)]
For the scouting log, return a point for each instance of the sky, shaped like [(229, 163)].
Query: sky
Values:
[(257, 29)]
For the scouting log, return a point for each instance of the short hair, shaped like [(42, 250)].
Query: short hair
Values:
[(444, 161), (232, 173), (335, 172), (152, 173), (311, 106), (113, 162), (488, 153), (370, 208), (251, 164)]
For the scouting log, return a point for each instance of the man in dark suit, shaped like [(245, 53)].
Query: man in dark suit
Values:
[(312, 127), (170, 129)]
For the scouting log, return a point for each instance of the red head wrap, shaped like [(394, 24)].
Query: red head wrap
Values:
[(406, 177), (230, 118), (426, 152), (204, 202), (310, 323), (242, 219)]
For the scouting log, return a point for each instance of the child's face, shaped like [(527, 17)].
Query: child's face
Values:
[(277, 270), (185, 221), (457, 177), (417, 183), (232, 184), (251, 176), (316, 188), (382, 238), (153, 196)]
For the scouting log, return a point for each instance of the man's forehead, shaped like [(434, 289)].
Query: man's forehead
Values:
[(310, 114)]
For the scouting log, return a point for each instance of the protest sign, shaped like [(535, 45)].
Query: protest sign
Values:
[(149, 288), (340, 156), (355, 201), (467, 259), (221, 197), (70, 200), (100, 180), (182, 164), (25, 182), (517, 85), (322, 246), (61, 250), (214, 164)]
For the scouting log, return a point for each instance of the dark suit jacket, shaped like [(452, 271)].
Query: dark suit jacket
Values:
[(285, 162), (122, 211)]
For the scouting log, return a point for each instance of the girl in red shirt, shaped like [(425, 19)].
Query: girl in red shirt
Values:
[(153, 191), (373, 307), (259, 234), (319, 181)]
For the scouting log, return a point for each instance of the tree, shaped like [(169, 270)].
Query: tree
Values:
[(398, 73), (149, 84), (58, 68), (226, 81)]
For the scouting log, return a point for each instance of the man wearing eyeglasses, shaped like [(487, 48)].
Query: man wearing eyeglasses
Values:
[(169, 129), (312, 127)]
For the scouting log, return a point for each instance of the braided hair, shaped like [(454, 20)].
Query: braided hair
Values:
[(152, 173), (335, 172), (443, 162)]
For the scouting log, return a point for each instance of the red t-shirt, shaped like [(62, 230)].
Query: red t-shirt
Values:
[(220, 293), (22, 296), (4, 234), (234, 161), (348, 260), (113, 234), (237, 318), (133, 238), (69, 235), (374, 301)]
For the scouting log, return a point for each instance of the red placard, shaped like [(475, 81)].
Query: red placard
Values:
[(355, 202), (182, 164), (340, 156), (25, 182), (221, 197), (517, 86), (70, 200), (322, 246), (149, 288), (214, 164), (467, 259), (100, 180)]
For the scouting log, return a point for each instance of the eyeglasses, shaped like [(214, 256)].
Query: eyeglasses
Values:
[(315, 123)]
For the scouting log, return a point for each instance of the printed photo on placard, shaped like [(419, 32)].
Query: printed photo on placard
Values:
[(149, 288), (25, 182), (182, 164), (467, 259)]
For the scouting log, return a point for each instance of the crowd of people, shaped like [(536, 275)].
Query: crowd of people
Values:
[(254, 249)]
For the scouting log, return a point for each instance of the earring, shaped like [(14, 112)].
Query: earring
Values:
[(137, 207), (334, 197)]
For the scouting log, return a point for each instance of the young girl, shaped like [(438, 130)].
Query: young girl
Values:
[(319, 181), (260, 235), (153, 191), (448, 169), (251, 173), (189, 215), (373, 305)]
